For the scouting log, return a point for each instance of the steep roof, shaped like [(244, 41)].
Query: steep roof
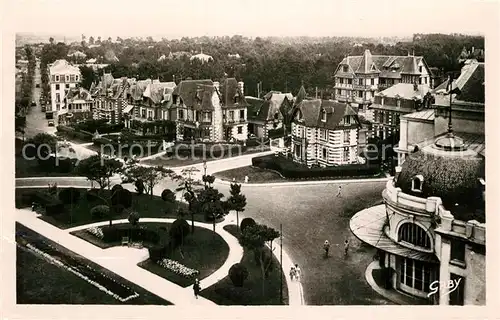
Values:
[(189, 90), (312, 113), (470, 83), (301, 95), (63, 67), (137, 89), (253, 106), (405, 91), (272, 105), (159, 92), (387, 66), (228, 91), (78, 94)]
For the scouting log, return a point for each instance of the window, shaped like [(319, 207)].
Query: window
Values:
[(150, 114), (347, 119), (58, 97), (297, 151), (322, 134), (360, 82), (206, 116), (181, 114), (372, 81), (415, 235), (57, 78), (338, 91), (458, 252), (242, 114), (346, 154), (325, 153), (143, 113), (420, 69), (58, 86), (347, 136), (416, 183), (346, 69), (67, 85), (414, 274), (72, 78), (349, 81), (457, 296), (76, 78), (231, 115), (240, 130), (67, 78), (425, 80), (360, 94), (323, 115)]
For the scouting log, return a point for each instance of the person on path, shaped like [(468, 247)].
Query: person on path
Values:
[(326, 247), (292, 273), (196, 288), (297, 272), (346, 246), (339, 192)]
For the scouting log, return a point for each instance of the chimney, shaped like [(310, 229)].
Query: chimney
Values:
[(472, 50), (415, 87), (241, 86), (217, 85)]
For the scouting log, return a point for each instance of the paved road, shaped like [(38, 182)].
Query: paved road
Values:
[(35, 119)]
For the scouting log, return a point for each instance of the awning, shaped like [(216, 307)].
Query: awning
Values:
[(367, 225), (128, 108)]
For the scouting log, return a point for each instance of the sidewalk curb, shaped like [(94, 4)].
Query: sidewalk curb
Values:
[(304, 183)]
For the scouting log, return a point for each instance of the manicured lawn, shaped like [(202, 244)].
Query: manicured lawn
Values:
[(79, 213), (259, 175), (171, 161), (255, 175), (30, 168), (203, 251), (40, 282), (225, 293)]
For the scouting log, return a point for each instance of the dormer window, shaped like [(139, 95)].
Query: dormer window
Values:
[(417, 183), (345, 68), (323, 115), (299, 116)]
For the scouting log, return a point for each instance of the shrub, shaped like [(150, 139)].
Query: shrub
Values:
[(178, 231), (156, 253), (116, 187), (133, 218), (168, 195), (139, 187), (69, 195), (92, 195), (247, 222), (54, 208), (42, 197), (115, 233), (122, 197), (238, 273), (99, 211)]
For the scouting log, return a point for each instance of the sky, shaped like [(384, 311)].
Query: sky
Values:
[(252, 18)]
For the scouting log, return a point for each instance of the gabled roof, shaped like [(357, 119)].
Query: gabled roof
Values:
[(228, 91), (301, 95), (272, 105), (253, 106), (78, 94), (470, 83), (311, 111), (388, 66), (63, 67), (159, 92), (405, 91), (137, 89), (189, 91)]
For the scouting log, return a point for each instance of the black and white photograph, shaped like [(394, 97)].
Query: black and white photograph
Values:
[(229, 153)]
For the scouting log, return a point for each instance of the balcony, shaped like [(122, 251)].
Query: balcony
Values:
[(230, 122)]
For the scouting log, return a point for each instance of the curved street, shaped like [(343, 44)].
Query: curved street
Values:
[(309, 214)]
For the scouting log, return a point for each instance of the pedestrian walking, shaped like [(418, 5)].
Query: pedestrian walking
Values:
[(326, 247), (297, 272), (33, 206), (292, 273), (196, 288), (339, 191), (346, 246)]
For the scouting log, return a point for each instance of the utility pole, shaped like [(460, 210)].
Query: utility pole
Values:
[(281, 262)]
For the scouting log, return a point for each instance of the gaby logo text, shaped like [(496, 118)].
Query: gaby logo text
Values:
[(447, 286)]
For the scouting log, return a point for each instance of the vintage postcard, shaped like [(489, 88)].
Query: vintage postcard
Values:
[(176, 157)]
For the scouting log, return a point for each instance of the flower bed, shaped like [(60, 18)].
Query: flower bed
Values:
[(85, 272), (178, 268), (96, 231)]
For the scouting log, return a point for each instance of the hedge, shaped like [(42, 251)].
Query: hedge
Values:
[(238, 273), (100, 126), (122, 197), (99, 211), (290, 169), (69, 195), (208, 150)]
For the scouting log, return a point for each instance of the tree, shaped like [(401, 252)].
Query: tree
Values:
[(43, 143), (237, 201), (238, 273), (88, 76), (210, 204), (245, 223), (189, 187), (168, 195), (99, 169), (150, 176), (133, 218), (91, 40), (255, 238), (51, 40)]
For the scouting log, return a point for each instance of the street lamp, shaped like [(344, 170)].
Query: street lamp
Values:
[(205, 172)]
